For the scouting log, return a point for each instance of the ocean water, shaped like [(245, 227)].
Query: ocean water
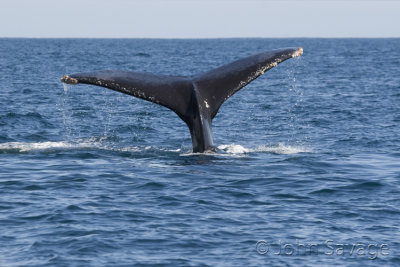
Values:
[(310, 174)]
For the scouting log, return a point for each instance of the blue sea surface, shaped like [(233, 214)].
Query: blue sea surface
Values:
[(309, 174)]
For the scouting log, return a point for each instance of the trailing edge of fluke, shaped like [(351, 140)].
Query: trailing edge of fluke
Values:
[(195, 99)]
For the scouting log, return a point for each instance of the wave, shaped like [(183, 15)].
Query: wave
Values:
[(41, 146), (276, 149), (99, 143), (235, 150), (142, 55)]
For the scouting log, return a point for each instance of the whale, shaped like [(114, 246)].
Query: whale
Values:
[(195, 99)]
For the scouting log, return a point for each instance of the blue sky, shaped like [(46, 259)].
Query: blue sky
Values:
[(199, 19)]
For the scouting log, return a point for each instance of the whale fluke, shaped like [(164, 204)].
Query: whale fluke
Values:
[(195, 99)]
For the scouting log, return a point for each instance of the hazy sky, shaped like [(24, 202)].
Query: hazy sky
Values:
[(198, 19)]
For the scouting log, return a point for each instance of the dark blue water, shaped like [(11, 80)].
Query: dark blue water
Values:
[(310, 174)]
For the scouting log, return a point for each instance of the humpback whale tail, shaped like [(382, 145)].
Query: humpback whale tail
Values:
[(195, 99)]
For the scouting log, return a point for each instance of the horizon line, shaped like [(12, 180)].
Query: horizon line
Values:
[(199, 38)]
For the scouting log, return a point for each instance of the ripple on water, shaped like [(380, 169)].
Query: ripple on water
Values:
[(90, 177)]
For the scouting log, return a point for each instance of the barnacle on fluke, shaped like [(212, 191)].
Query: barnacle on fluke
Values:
[(69, 80)]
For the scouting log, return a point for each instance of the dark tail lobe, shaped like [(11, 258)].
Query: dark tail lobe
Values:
[(217, 85)]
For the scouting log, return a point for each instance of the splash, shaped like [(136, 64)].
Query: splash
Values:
[(42, 146), (234, 150), (282, 149), (277, 149), (65, 109), (78, 144), (99, 143)]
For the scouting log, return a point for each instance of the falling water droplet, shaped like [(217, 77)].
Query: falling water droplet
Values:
[(67, 87)]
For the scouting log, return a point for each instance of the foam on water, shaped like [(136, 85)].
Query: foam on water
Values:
[(234, 150), (49, 145), (78, 144), (89, 143), (283, 149), (277, 149), (98, 143)]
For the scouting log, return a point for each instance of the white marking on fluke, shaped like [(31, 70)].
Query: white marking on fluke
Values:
[(69, 80), (298, 52)]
